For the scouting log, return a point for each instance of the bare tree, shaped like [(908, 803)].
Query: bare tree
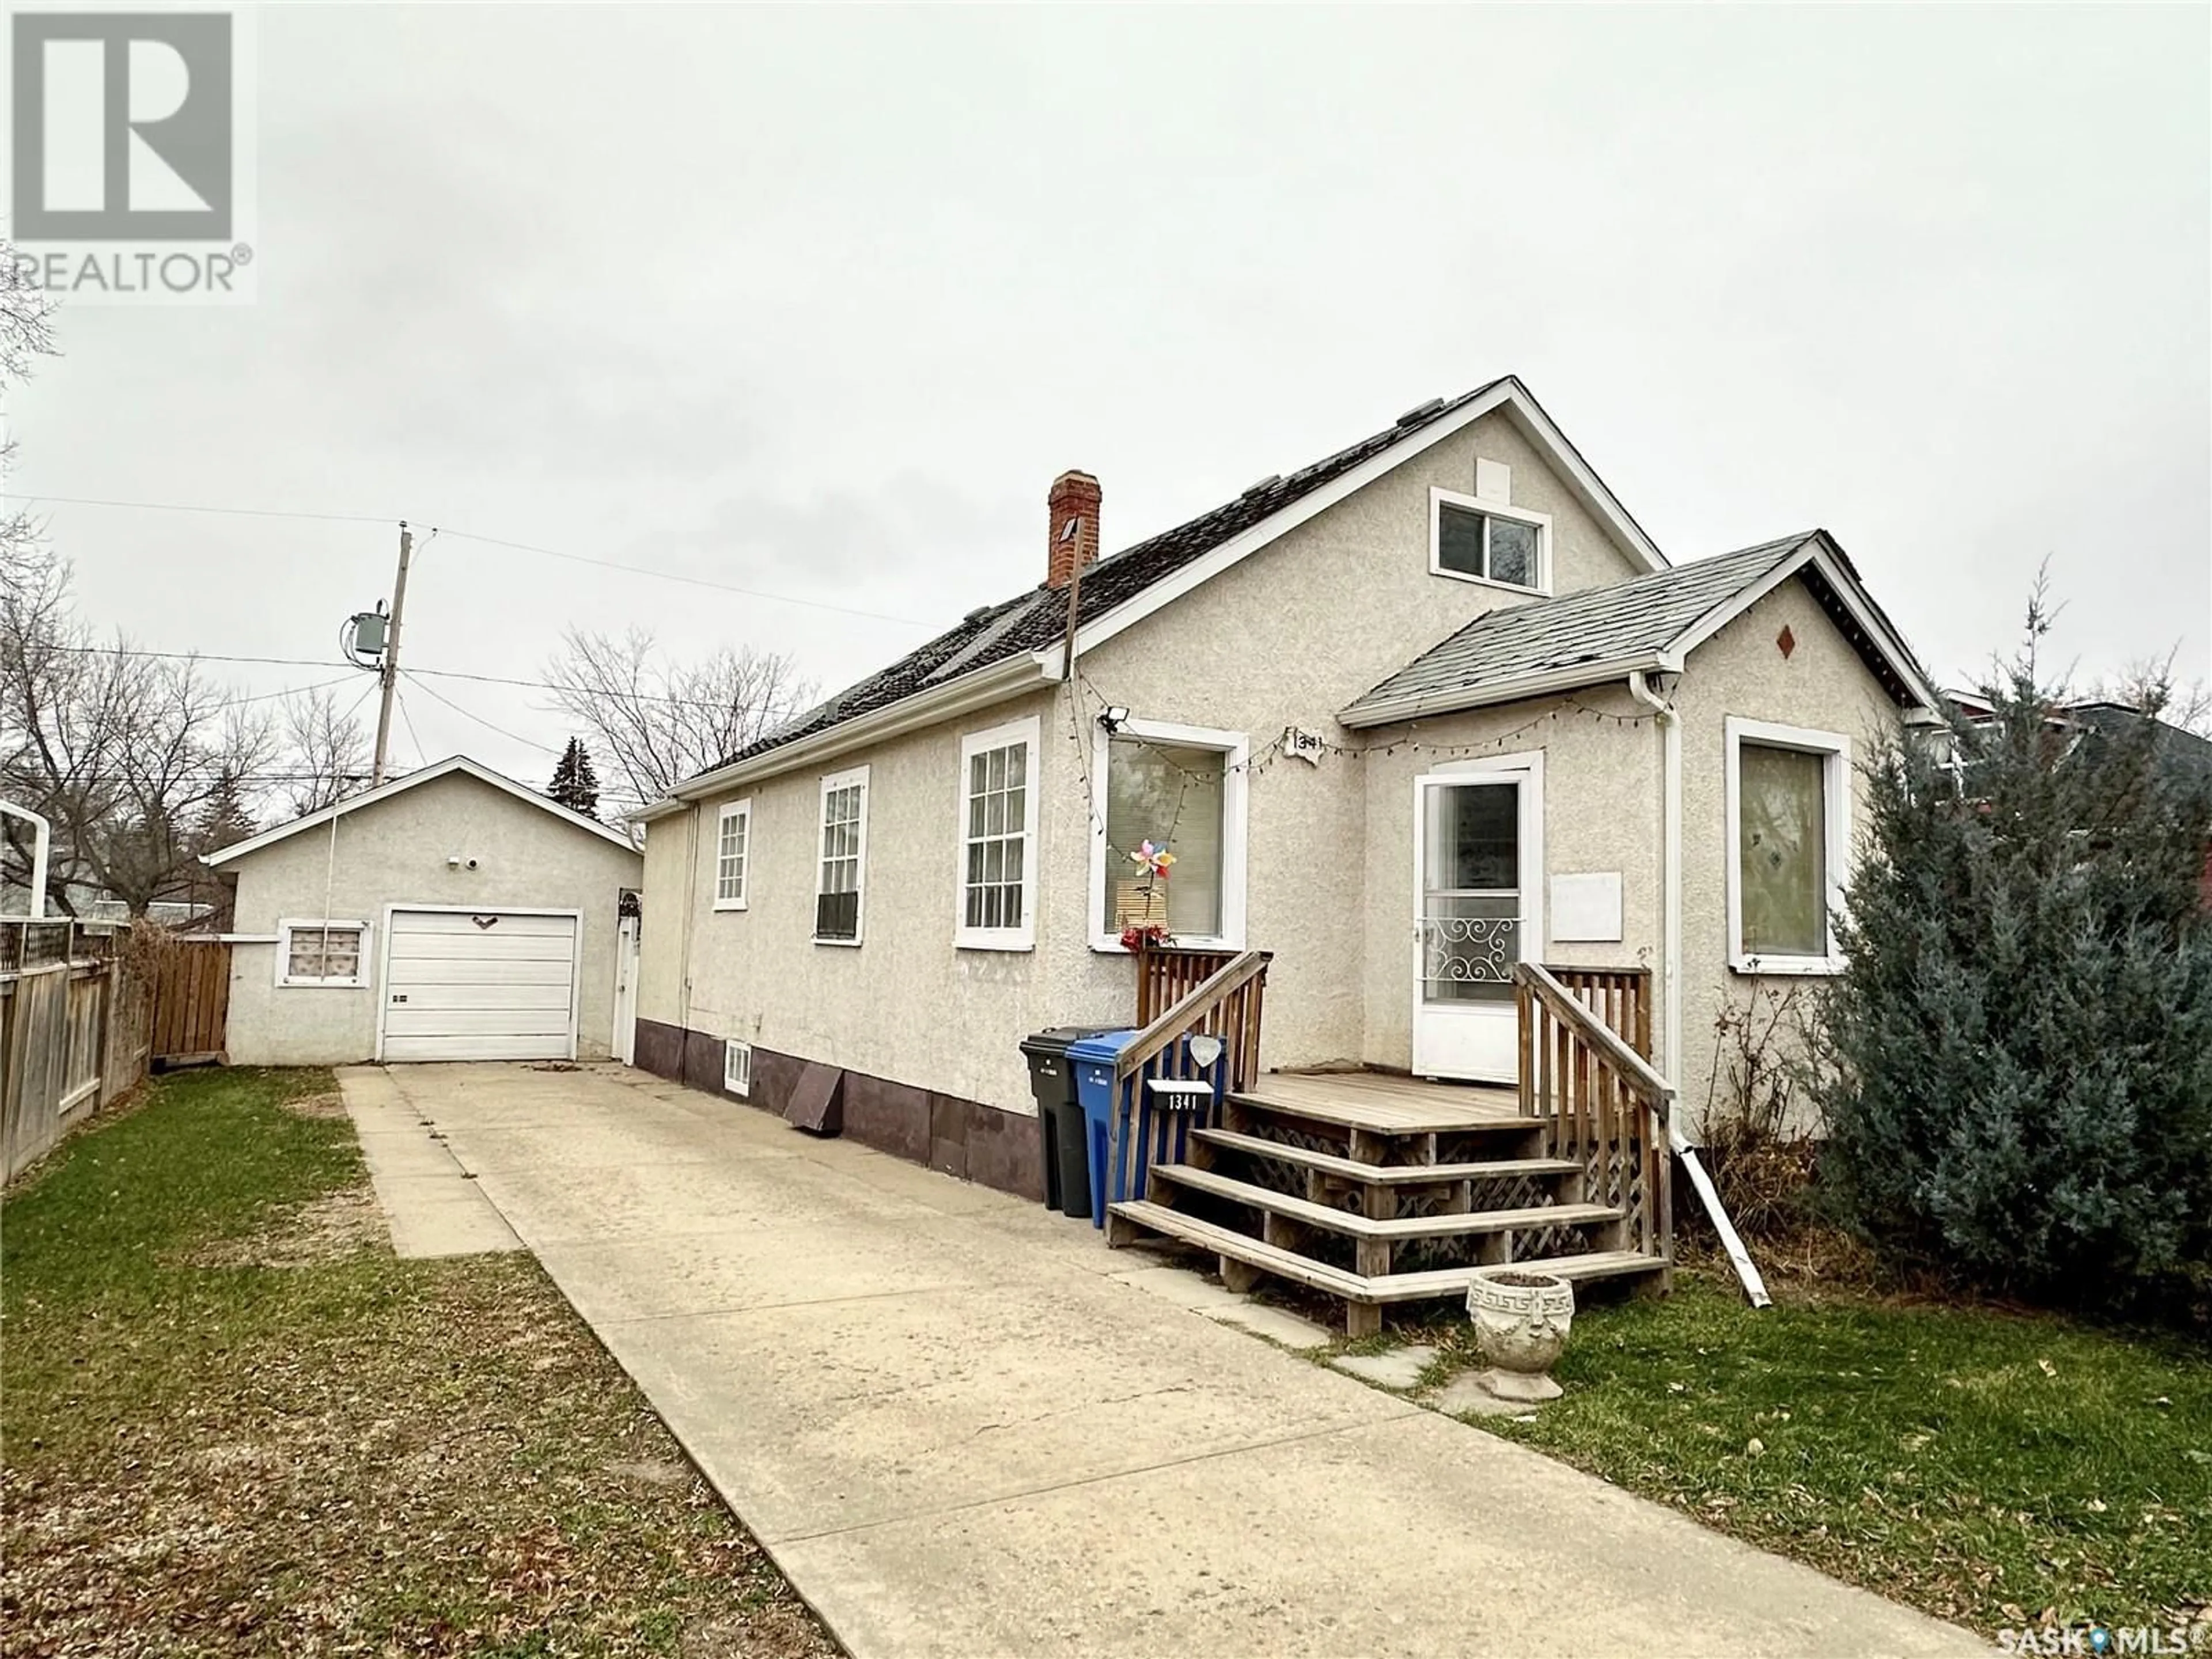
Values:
[(128, 754), (327, 754), (660, 722), (2147, 685), (26, 334)]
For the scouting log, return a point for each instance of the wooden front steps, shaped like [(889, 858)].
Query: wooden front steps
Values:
[(1379, 1190), (1364, 1296), (1388, 1175), (1395, 1227)]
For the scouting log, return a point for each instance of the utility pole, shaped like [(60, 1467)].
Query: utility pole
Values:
[(390, 670)]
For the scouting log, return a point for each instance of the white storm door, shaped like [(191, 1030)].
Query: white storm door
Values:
[(1477, 855), (623, 1045)]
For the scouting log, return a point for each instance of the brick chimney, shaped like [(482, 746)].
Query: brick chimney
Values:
[(1074, 496)]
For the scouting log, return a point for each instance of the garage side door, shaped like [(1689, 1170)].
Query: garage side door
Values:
[(490, 985)]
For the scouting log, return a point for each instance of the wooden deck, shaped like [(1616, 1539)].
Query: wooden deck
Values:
[(1385, 1102)]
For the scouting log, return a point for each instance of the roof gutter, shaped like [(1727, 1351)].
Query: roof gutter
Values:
[(1576, 676), (980, 688)]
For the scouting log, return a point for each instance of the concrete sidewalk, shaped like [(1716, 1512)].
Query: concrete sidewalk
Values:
[(958, 1433)]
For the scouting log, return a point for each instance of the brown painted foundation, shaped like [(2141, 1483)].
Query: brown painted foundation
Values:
[(953, 1135)]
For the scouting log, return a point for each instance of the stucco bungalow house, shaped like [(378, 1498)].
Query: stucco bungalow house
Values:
[(452, 913), (1423, 709)]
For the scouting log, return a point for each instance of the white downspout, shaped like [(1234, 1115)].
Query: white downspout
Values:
[(1670, 976), (42, 839), (1670, 873)]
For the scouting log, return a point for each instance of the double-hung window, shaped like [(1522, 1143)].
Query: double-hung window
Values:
[(998, 838), (844, 856), (733, 833), (1180, 790), (1788, 841), (322, 952), (1472, 538)]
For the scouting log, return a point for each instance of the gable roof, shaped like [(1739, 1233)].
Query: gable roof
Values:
[(1126, 587), (430, 774), (1651, 624)]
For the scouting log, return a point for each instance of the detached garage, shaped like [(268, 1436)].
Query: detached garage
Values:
[(453, 914)]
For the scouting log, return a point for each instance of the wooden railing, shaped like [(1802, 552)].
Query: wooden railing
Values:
[(1228, 1005), (1166, 973), (1600, 1102), (1621, 997)]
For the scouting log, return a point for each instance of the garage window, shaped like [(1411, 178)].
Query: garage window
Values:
[(322, 953)]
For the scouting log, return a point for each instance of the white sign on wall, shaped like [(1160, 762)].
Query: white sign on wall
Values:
[(1586, 907)]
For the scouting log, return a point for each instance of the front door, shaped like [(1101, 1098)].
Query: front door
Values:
[(1478, 857)]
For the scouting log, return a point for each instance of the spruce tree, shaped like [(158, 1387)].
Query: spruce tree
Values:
[(2019, 1087), (575, 785)]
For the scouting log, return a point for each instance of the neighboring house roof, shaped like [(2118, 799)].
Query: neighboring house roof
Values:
[(2174, 745), (444, 769), (1652, 624), (1124, 587)]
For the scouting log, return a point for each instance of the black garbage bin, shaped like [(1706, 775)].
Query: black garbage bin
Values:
[(1060, 1117)]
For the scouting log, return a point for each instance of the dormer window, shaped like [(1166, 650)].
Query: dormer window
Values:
[(1476, 540)]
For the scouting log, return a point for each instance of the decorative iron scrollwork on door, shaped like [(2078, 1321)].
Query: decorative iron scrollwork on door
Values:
[(1470, 949)]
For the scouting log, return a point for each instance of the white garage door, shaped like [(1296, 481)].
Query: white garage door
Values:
[(482, 985)]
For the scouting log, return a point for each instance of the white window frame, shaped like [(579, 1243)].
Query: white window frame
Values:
[(1540, 522), (737, 1068), (1835, 750), (290, 925), (736, 809), (1235, 750), (851, 777), (1029, 734)]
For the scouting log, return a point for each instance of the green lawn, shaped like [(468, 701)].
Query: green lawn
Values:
[(233, 1422), (1984, 1466)]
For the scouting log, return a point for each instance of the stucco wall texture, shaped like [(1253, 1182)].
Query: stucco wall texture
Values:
[(395, 852), (1236, 654), (1288, 636), (1819, 684)]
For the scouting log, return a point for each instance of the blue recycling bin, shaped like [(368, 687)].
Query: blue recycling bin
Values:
[(1134, 1125), (1093, 1058)]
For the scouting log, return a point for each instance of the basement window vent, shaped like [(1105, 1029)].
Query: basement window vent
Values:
[(738, 1068)]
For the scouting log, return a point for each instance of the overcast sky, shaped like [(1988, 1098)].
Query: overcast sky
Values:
[(818, 303)]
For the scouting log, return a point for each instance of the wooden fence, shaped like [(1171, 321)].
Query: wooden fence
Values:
[(73, 1034), (192, 1000)]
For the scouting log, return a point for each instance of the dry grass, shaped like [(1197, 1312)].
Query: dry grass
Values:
[(234, 1424)]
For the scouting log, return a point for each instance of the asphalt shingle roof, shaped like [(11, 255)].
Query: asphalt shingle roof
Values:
[(1038, 618), (1599, 625)]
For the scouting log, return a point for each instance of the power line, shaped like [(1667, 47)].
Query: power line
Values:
[(512, 737), (199, 656), (311, 662), (287, 691), (421, 755), (694, 582), (489, 541), (187, 507)]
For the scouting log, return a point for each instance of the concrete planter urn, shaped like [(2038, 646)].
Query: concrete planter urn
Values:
[(1520, 1323)]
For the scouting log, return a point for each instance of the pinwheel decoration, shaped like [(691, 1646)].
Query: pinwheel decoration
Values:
[(1155, 861)]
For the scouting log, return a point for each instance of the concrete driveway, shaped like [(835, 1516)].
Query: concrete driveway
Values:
[(957, 1433)]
